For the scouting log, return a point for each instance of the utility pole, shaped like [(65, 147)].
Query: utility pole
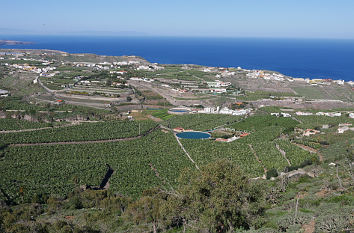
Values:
[(139, 128)]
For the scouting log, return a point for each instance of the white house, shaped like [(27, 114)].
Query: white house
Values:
[(284, 114), (339, 82), (4, 93), (304, 113)]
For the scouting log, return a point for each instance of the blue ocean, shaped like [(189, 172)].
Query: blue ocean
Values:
[(307, 58)]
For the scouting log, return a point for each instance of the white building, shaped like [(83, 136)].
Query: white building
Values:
[(4, 93), (225, 110), (344, 128), (218, 84), (218, 90), (284, 114), (304, 113), (339, 82), (143, 68)]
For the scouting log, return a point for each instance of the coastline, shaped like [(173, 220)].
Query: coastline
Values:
[(63, 53), (293, 57)]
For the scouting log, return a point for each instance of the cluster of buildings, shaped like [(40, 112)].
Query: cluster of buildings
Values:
[(126, 63), (299, 113), (318, 81), (330, 114), (225, 110), (34, 69), (147, 80), (280, 114), (344, 127), (184, 86), (218, 84), (265, 75), (150, 67)]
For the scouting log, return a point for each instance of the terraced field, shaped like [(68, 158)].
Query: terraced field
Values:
[(54, 169), (15, 124), (153, 159), (83, 132), (201, 121)]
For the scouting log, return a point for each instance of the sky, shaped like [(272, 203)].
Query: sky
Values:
[(206, 18)]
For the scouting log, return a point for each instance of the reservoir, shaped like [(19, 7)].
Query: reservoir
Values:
[(193, 135)]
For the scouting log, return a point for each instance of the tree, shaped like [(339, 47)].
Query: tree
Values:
[(218, 198)]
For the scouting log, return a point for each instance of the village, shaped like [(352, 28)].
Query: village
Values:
[(130, 81)]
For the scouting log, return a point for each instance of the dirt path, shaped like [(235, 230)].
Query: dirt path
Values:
[(310, 227), (259, 161), (84, 142), (155, 118), (309, 149), (295, 119), (182, 147), (282, 153)]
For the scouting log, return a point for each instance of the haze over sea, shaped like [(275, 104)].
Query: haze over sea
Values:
[(306, 58)]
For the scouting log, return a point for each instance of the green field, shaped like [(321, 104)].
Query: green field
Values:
[(82, 132), (54, 169), (15, 124), (201, 122), (162, 114)]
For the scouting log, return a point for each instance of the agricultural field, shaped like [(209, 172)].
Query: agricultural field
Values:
[(57, 169), (296, 155), (206, 151), (54, 173), (264, 134), (83, 132), (270, 156), (141, 163), (311, 122), (15, 124), (257, 123), (161, 113), (201, 122), (257, 95), (174, 72)]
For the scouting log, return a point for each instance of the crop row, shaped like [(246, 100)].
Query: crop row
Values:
[(259, 122), (206, 151), (53, 169), (296, 155), (310, 122), (15, 124), (83, 132), (270, 156), (201, 121)]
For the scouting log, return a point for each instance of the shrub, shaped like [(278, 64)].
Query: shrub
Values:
[(272, 173)]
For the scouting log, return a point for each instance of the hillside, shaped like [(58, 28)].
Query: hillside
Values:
[(91, 143)]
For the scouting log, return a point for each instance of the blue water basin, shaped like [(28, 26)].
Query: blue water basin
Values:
[(178, 110), (193, 135)]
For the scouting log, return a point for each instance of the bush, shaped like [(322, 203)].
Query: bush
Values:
[(74, 203), (303, 164), (272, 173)]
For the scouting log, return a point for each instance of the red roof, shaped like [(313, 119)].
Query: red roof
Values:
[(244, 134)]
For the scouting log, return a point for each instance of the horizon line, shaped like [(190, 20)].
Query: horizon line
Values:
[(175, 36)]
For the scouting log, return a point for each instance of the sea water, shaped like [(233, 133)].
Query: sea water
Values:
[(306, 58)]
